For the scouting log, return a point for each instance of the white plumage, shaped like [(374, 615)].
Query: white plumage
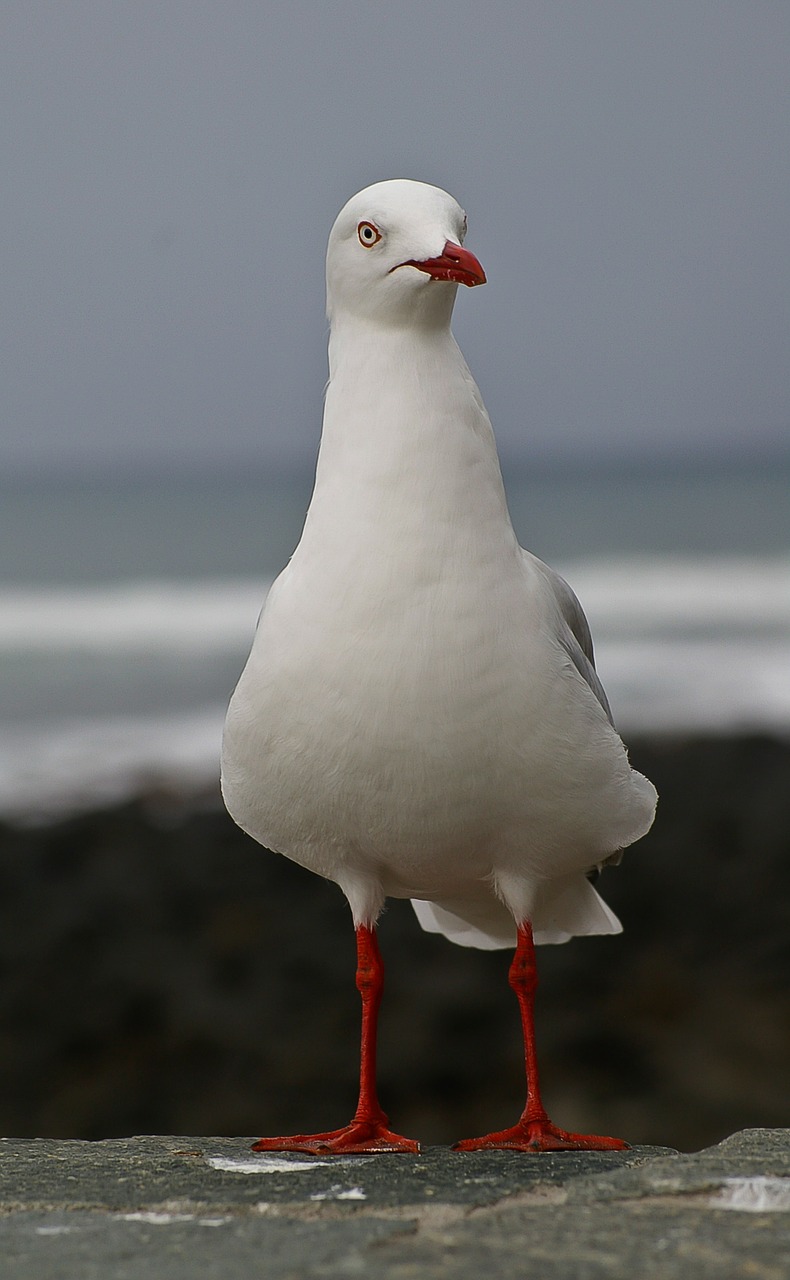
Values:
[(419, 716)]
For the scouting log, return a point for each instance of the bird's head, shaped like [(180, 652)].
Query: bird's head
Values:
[(396, 255)]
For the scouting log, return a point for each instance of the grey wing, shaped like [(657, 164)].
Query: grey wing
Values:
[(575, 637)]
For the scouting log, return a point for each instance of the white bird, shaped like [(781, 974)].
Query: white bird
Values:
[(420, 716)]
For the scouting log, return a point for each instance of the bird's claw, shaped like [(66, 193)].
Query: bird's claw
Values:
[(357, 1138), (540, 1135)]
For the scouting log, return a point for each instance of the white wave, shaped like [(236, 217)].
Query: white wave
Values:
[(697, 686), (660, 593), (165, 616), (80, 764)]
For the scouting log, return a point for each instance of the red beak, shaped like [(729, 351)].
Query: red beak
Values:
[(455, 263)]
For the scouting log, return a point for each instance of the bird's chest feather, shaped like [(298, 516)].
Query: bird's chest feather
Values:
[(409, 650), (397, 704)]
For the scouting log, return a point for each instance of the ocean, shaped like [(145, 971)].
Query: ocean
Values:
[(127, 608)]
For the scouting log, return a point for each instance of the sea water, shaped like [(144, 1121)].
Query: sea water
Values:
[(127, 608)]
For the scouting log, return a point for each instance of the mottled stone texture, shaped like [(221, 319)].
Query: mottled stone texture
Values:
[(160, 973), (194, 1208)]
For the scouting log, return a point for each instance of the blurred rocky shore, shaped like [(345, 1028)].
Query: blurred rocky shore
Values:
[(161, 974)]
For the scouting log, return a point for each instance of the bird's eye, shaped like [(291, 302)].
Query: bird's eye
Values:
[(368, 234)]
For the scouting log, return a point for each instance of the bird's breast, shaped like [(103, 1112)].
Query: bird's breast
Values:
[(377, 710)]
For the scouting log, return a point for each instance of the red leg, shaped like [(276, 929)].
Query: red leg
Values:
[(368, 1131), (534, 1131)]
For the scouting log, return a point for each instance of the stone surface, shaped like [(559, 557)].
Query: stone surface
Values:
[(197, 1208)]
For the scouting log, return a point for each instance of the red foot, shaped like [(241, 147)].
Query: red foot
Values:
[(540, 1135), (361, 1137)]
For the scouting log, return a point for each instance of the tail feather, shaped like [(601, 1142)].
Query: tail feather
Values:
[(563, 909), (487, 925), (569, 908)]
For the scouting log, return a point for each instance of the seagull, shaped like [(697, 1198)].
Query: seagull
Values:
[(420, 715)]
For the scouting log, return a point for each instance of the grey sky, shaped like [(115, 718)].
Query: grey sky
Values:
[(171, 172)]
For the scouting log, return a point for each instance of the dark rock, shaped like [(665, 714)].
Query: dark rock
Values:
[(159, 972)]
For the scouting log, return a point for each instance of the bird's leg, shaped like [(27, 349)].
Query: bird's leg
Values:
[(368, 1132), (534, 1131)]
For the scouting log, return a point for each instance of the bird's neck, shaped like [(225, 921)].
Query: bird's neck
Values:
[(407, 446)]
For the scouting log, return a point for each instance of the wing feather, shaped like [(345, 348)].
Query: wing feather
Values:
[(574, 633)]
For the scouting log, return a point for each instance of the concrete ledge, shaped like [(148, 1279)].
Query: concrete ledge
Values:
[(183, 1208)]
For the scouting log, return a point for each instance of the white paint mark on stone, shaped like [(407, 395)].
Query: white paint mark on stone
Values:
[(337, 1192), (54, 1231), (265, 1164), (156, 1219), (753, 1195)]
